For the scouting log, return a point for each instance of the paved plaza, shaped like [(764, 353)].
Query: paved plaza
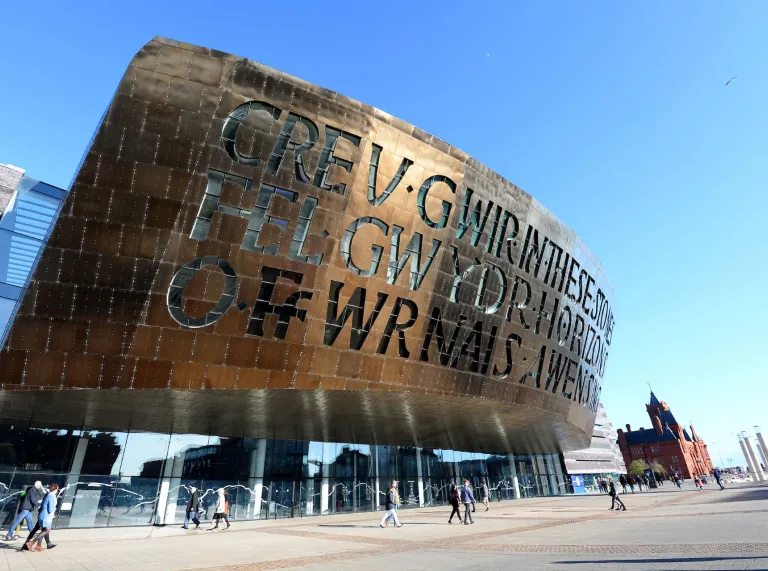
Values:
[(662, 529)]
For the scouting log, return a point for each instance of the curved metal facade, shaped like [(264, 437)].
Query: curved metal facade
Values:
[(247, 253)]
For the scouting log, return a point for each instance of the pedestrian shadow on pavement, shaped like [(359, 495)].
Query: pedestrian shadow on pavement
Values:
[(662, 560), (749, 495), (375, 526), (349, 525)]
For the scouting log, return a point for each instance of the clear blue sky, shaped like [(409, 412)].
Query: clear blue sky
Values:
[(613, 114)]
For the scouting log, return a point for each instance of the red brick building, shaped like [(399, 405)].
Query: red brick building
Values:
[(667, 443)]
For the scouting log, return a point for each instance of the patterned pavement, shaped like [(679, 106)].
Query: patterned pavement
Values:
[(684, 530), (445, 552)]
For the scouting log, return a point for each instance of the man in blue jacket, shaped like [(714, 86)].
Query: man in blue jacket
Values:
[(718, 478), (467, 499), (29, 503)]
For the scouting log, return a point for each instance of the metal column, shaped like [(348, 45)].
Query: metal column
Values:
[(763, 449), (758, 469), (420, 477), (515, 482)]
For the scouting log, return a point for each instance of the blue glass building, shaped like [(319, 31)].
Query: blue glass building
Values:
[(25, 226)]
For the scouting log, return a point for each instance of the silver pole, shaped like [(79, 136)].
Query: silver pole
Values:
[(747, 457), (763, 449)]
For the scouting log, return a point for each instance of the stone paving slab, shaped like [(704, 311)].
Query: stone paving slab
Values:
[(201, 549), (449, 560), (625, 530), (662, 530), (428, 528)]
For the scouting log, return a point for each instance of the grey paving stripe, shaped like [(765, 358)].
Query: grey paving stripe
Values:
[(299, 561), (339, 537), (388, 545), (698, 548)]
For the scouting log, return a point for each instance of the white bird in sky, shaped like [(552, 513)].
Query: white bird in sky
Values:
[(727, 83), (487, 54)]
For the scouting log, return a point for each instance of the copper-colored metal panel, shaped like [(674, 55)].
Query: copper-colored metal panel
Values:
[(240, 241)]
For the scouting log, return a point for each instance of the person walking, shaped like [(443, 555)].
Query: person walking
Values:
[(484, 494), (390, 506), (45, 519), (221, 504), (41, 494), (30, 500), (631, 483), (718, 478), (678, 482), (623, 482), (639, 482), (615, 499), (193, 507), (226, 509), (393, 485), (697, 482), (453, 499), (468, 499)]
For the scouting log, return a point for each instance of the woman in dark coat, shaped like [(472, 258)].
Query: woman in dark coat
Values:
[(45, 519), (615, 499), (453, 499), (193, 507), (391, 508)]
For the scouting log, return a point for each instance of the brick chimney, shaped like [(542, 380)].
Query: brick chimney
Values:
[(694, 436), (622, 440), (656, 419)]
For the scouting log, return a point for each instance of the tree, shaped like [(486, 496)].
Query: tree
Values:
[(658, 468), (638, 467)]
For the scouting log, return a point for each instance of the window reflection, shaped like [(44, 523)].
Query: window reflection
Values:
[(144, 454), (104, 452), (140, 478), (45, 449)]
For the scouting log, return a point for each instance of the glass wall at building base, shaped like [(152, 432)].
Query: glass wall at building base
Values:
[(139, 478)]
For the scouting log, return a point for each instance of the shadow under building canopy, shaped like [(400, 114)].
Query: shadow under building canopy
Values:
[(248, 254)]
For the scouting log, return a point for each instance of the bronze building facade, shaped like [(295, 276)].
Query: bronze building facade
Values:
[(251, 257)]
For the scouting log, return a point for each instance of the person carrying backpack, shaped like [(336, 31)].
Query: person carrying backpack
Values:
[(29, 501)]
